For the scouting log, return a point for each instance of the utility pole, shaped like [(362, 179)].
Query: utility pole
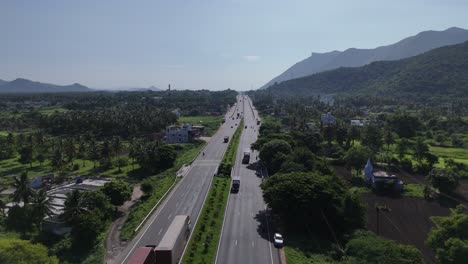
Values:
[(380, 208)]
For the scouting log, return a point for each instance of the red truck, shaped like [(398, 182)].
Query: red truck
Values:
[(143, 255)]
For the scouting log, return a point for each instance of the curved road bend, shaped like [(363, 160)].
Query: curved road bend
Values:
[(188, 196), (247, 236)]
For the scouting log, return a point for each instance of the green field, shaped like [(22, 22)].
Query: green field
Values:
[(413, 190), (457, 154), (211, 123)]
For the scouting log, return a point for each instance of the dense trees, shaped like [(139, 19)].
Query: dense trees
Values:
[(14, 251), (154, 156), (273, 154), (446, 180), (356, 157), (22, 190), (117, 191), (367, 248), (449, 237), (314, 200)]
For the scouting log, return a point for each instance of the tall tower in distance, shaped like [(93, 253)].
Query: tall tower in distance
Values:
[(169, 87)]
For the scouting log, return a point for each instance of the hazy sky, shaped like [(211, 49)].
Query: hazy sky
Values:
[(197, 44)]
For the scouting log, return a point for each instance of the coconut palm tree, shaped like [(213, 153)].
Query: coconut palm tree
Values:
[(2, 207), (40, 203), (74, 206), (23, 191)]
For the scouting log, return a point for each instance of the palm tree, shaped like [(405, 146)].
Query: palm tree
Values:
[(2, 207), (41, 206), (75, 206), (23, 191)]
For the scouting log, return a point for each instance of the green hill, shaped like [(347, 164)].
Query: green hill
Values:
[(440, 72)]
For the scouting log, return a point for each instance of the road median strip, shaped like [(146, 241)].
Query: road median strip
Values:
[(203, 243)]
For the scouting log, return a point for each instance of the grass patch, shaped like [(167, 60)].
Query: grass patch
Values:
[(162, 184), (301, 250), (457, 154), (204, 242), (211, 123), (414, 190), (230, 156), (205, 237)]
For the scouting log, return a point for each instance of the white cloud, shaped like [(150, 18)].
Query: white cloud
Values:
[(251, 58)]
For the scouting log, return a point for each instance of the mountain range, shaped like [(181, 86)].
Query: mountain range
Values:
[(21, 85), (439, 72), (408, 47)]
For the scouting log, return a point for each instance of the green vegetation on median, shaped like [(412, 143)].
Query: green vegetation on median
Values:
[(230, 156), (204, 242), (205, 237)]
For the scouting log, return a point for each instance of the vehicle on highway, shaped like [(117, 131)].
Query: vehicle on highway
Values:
[(226, 139), (231, 126), (235, 184), (245, 127), (169, 250), (278, 240), (258, 122), (143, 255), (246, 158)]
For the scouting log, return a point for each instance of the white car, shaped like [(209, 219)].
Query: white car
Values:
[(278, 240)]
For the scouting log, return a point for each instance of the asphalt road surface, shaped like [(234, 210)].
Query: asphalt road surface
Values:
[(188, 196), (247, 235)]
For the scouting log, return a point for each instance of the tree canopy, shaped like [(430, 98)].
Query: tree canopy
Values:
[(17, 251)]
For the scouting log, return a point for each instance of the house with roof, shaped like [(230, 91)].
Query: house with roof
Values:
[(376, 176), (359, 122), (179, 134), (327, 118)]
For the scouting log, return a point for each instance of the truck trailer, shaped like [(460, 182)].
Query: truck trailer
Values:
[(171, 246), (169, 250)]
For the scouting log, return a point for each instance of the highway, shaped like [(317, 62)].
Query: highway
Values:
[(247, 235), (189, 194)]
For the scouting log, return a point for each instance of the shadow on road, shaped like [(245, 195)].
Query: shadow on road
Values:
[(262, 228)]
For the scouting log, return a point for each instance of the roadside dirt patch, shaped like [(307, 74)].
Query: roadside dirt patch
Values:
[(408, 222), (113, 243)]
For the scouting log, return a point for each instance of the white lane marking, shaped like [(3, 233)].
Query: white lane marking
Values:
[(253, 244), (269, 241), (160, 231), (169, 216), (236, 242)]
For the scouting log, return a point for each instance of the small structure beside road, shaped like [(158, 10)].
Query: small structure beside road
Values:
[(377, 177)]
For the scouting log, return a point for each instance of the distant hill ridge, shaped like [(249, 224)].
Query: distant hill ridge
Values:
[(408, 47), (21, 85), (442, 72)]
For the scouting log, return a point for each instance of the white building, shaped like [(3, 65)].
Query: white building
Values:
[(178, 134)]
